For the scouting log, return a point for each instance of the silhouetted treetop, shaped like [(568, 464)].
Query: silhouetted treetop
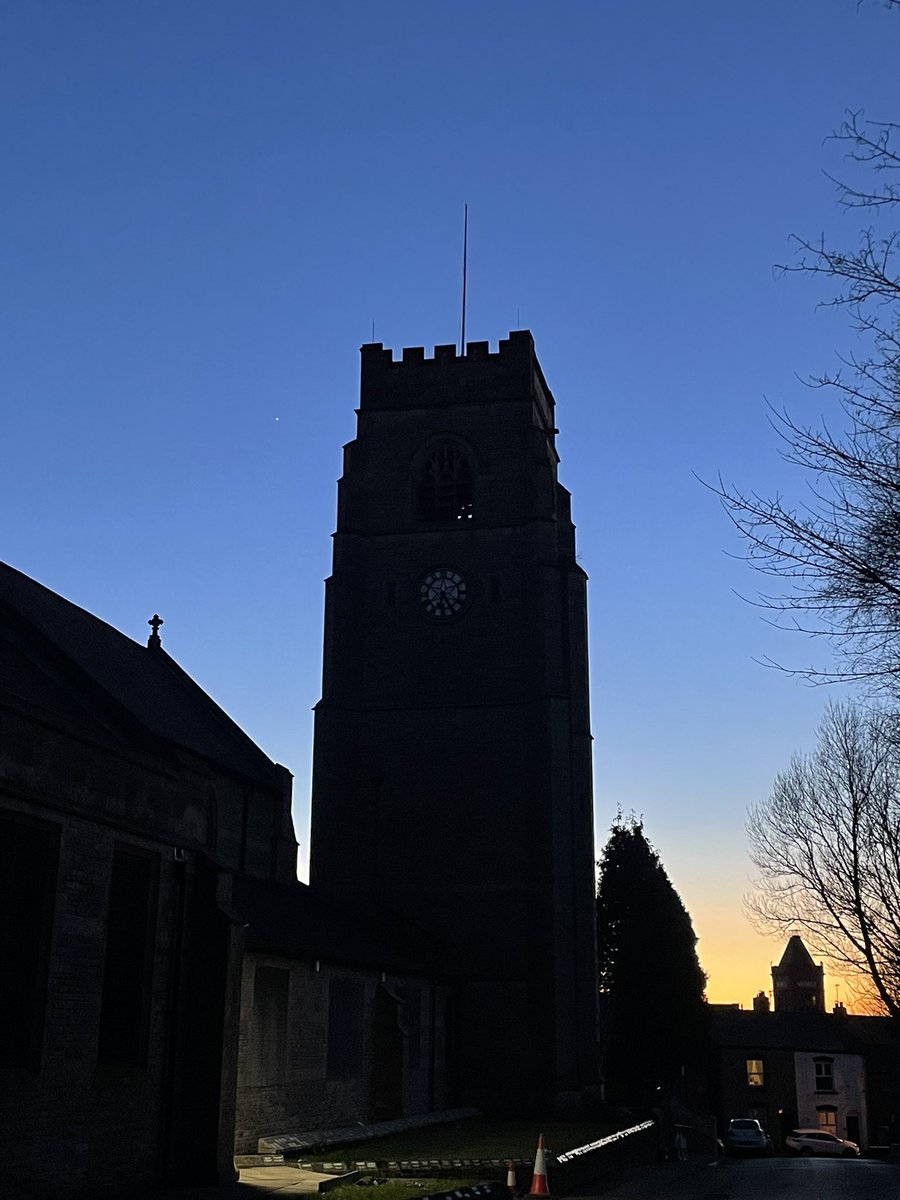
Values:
[(651, 982)]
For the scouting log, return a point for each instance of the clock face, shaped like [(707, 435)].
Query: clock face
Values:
[(442, 592)]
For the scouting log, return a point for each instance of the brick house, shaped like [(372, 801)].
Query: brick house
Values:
[(802, 1067)]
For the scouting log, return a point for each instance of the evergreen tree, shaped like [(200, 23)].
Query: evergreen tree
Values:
[(651, 982)]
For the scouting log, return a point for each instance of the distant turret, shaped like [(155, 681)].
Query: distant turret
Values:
[(761, 1003), (798, 983)]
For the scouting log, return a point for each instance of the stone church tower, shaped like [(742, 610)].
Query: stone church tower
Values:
[(796, 981), (452, 760)]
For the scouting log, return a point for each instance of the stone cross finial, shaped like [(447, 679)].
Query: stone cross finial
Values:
[(153, 641)]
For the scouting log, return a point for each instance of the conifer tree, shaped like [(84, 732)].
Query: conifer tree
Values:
[(651, 982)]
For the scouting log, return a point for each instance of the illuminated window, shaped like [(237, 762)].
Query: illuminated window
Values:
[(756, 1075), (445, 486), (828, 1119)]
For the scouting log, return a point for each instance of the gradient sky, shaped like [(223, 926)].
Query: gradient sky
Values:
[(206, 205)]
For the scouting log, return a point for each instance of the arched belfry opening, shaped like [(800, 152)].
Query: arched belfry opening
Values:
[(444, 490)]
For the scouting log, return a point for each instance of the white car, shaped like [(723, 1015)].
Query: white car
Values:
[(817, 1141), (744, 1134)]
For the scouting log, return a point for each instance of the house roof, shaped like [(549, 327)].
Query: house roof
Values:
[(140, 684), (808, 1029)]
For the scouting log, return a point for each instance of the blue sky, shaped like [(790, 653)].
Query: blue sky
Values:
[(205, 207)]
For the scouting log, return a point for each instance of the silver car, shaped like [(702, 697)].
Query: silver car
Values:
[(746, 1135), (817, 1141)]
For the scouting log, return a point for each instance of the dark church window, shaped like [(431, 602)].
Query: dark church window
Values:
[(212, 817), (271, 987), (29, 858), (445, 486), (345, 1027), (128, 961), (412, 1024)]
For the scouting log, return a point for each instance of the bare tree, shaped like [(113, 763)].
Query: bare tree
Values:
[(827, 846), (836, 553)]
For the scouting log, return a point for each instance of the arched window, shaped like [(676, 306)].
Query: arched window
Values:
[(445, 486)]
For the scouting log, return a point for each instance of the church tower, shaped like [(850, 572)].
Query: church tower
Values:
[(797, 982), (452, 758)]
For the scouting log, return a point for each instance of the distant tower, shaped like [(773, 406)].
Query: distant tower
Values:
[(452, 761), (798, 983)]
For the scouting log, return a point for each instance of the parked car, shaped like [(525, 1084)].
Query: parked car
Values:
[(817, 1141), (745, 1135)]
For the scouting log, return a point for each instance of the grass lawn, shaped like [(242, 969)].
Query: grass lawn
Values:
[(476, 1137)]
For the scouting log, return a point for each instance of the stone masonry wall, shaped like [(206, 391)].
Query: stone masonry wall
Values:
[(304, 1097)]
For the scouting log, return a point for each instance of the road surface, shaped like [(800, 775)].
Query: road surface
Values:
[(761, 1179)]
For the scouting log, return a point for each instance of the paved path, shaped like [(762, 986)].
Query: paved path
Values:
[(255, 1183)]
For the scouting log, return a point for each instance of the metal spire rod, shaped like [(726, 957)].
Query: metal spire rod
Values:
[(462, 328)]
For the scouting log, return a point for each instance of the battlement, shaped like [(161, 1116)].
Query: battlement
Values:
[(519, 343), (510, 372)]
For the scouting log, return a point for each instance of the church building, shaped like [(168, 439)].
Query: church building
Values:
[(797, 982), (171, 994), (452, 760)]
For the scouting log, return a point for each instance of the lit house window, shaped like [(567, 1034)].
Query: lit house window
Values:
[(824, 1074), (756, 1075), (828, 1119)]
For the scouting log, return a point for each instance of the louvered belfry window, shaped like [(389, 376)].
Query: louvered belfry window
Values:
[(445, 487)]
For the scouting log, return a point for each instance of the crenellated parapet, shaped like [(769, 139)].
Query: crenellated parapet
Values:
[(512, 372), (517, 347)]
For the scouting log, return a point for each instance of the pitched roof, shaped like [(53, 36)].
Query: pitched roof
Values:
[(796, 957), (142, 682), (808, 1030)]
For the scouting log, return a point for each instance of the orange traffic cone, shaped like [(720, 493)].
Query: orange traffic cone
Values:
[(539, 1179), (511, 1177)]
